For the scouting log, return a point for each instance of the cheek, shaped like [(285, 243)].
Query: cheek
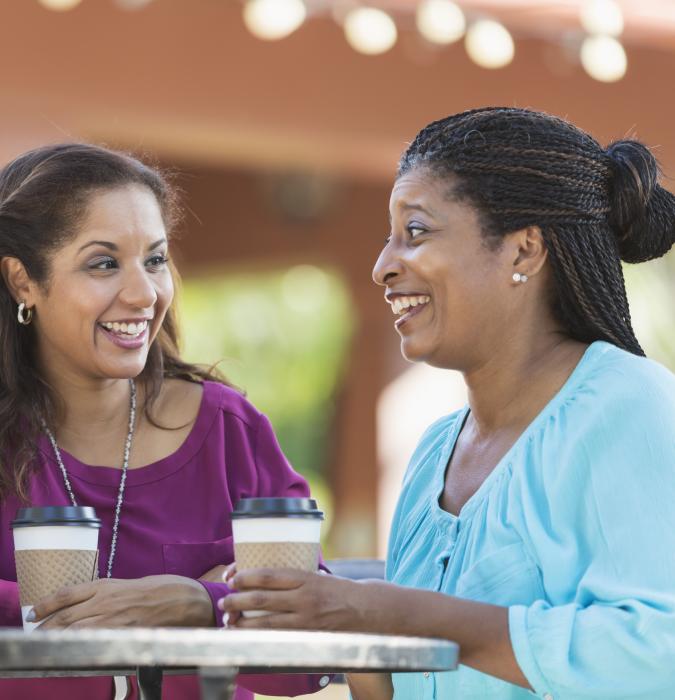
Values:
[(165, 293)]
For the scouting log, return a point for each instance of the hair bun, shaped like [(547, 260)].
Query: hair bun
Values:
[(642, 213)]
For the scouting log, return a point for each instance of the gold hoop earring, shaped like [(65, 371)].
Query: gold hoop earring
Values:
[(24, 315)]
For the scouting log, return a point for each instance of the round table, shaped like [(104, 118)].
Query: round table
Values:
[(217, 655)]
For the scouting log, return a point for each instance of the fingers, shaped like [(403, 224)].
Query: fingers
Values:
[(67, 617), (277, 601), (269, 579), (63, 598), (285, 621), (230, 571), (93, 621)]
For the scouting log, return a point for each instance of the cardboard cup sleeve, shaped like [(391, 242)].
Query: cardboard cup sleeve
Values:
[(42, 572)]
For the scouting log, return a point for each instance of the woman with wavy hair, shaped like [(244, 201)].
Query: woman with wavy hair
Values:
[(535, 526), (98, 409)]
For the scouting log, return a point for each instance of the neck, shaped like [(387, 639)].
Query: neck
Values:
[(510, 389), (90, 409)]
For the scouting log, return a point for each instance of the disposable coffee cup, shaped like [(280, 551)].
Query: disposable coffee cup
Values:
[(54, 546), (273, 533)]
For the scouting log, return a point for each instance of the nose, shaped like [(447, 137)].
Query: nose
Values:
[(388, 265), (139, 290)]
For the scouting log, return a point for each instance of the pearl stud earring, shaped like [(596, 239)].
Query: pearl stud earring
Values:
[(517, 277)]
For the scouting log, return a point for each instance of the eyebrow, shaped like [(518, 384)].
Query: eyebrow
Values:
[(415, 207), (113, 246)]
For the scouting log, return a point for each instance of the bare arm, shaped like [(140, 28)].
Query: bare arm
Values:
[(312, 601)]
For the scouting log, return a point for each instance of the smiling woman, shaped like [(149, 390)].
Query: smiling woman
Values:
[(535, 526), (98, 409)]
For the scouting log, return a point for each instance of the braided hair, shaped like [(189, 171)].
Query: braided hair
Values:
[(594, 206)]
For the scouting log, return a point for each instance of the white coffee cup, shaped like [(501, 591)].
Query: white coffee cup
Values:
[(276, 533), (54, 546)]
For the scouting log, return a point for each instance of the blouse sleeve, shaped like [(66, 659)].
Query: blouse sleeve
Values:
[(10, 610), (606, 508)]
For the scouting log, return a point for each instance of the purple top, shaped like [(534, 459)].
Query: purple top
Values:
[(175, 519)]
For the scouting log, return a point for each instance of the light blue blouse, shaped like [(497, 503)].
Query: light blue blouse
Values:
[(573, 531)]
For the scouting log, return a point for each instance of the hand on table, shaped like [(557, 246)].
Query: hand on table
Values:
[(152, 601), (300, 600)]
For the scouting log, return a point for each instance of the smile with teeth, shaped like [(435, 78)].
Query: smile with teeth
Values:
[(130, 330), (401, 305)]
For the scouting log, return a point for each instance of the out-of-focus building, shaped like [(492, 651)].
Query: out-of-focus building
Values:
[(288, 148)]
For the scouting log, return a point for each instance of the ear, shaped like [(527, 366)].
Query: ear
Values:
[(20, 285), (528, 250)]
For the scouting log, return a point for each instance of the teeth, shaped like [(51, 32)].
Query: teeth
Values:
[(126, 328), (402, 304)]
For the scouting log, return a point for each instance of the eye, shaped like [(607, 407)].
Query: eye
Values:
[(157, 261), (105, 263), (415, 229)]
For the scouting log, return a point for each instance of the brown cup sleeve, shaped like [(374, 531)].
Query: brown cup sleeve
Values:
[(42, 572)]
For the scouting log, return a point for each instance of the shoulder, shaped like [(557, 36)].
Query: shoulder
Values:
[(231, 403), (620, 412), (431, 443), (625, 387), (180, 401)]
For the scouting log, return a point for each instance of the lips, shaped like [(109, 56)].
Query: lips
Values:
[(412, 311)]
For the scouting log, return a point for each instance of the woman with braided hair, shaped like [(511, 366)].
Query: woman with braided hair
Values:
[(535, 526)]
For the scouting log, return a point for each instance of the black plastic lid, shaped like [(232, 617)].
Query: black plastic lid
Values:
[(277, 508), (56, 515)]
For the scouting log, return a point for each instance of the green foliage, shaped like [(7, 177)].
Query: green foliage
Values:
[(651, 293), (281, 337)]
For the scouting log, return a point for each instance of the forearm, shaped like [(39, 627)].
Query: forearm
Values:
[(480, 630), (370, 686)]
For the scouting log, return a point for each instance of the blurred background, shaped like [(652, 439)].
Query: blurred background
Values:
[(282, 122)]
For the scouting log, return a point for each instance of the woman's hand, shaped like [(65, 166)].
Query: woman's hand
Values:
[(153, 601), (300, 600)]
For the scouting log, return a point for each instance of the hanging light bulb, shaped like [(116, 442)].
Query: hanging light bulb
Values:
[(489, 44), (440, 21), (274, 19), (603, 58), (133, 4), (369, 30), (59, 5), (602, 17)]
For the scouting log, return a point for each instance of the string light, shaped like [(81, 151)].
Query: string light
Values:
[(602, 17), (369, 30), (274, 19), (133, 4), (372, 31), (603, 58), (489, 44), (59, 5), (440, 21)]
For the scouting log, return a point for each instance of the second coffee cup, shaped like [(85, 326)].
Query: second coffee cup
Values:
[(273, 533)]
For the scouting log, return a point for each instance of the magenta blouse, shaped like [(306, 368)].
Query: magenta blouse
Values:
[(175, 519)]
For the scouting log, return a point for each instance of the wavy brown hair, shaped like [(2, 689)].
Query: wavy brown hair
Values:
[(595, 206), (44, 195)]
